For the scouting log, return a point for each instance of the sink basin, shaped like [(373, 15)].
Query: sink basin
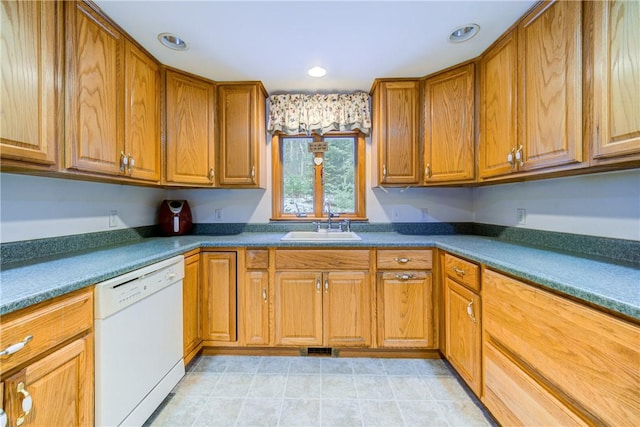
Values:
[(320, 236)]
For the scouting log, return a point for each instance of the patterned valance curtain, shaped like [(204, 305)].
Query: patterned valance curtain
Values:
[(294, 114)]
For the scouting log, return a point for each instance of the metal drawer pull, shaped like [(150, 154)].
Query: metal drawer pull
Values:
[(405, 276), (27, 403), (326, 286), (318, 285), (402, 260), (458, 271), (470, 311), (264, 295), (212, 175), (16, 347)]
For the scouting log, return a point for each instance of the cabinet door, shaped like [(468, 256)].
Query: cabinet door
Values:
[(241, 129), (142, 114), (498, 87), (616, 74), (60, 386), (298, 308), (396, 130), (256, 308), (405, 310), (449, 144), (95, 92), (218, 313), (30, 38), (463, 332), (550, 87), (347, 309), (191, 307), (190, 130)]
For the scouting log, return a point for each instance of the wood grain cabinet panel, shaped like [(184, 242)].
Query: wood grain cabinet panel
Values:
[(396, 130), (255, 316), (405, 310), (586, 359), (190, 110), (347, 309), (449, 143), (298, 308), (616, 80), (29, 99), (142, 114), (95, 92), (218, 296), (241, 133), (550, 85), (191, 308), (498, 108)]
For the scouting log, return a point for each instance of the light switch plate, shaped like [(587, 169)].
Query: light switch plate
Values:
[(521, 216)]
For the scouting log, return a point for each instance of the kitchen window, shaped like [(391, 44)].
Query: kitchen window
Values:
[(313, 173)]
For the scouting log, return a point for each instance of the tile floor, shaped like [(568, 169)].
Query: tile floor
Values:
[(318, 391)]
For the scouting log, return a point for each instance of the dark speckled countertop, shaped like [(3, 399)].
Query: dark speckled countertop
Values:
[(605, 283)]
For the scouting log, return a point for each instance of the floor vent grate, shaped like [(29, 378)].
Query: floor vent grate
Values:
[(319, 352)]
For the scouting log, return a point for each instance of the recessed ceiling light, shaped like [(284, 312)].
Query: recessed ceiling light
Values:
[(317, 72), (463, 33), (172, 41)]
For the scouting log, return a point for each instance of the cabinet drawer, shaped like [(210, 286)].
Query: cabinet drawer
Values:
[(406, 259), (322, 259), (462, 271), (514, 398), (49, 324), (257, 259)]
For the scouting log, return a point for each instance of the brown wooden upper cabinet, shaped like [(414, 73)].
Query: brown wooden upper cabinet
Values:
[(190, 118), (616, 81), (241, 133), (112, 109), (396, 129), (30, 107), (545, 56), (449, 111)]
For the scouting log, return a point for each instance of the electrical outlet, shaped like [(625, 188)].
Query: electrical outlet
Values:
[(424, 214), (521, 216), (395, 214), (113, 219), (218, 214)]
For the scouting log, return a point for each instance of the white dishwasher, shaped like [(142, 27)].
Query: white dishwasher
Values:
[(138, 342)]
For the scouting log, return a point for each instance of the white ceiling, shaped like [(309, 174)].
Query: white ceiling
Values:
[(278, 41)]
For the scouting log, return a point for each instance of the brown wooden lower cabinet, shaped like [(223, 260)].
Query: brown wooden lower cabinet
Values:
[(255, 315), (191, 307), (54, 370), (551, 361), (323, 309), (218, 297)]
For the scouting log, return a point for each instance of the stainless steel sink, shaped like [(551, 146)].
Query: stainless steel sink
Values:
[(320, 236)]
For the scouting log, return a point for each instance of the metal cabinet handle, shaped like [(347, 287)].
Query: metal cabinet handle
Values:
[(212, 175), (519, 157), (318, 285), (27, 403), (384, 172), (17, 346), (326, 286), (132, 163), (402, 260), (264, 295), (124, 162), (458, 271), (427, 171), (470, 311), (511, 158), (253, 172), (405, 276)]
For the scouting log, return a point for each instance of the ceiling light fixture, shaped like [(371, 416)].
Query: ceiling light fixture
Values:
[(317, 72), (172, 41), (463, 33)]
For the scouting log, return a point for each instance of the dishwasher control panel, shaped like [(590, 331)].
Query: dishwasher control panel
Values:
[(120, 292)]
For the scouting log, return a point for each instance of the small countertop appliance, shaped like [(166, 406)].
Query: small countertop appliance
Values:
[(174, 217)]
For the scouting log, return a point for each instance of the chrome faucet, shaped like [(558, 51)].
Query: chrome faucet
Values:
[(327, 206)]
